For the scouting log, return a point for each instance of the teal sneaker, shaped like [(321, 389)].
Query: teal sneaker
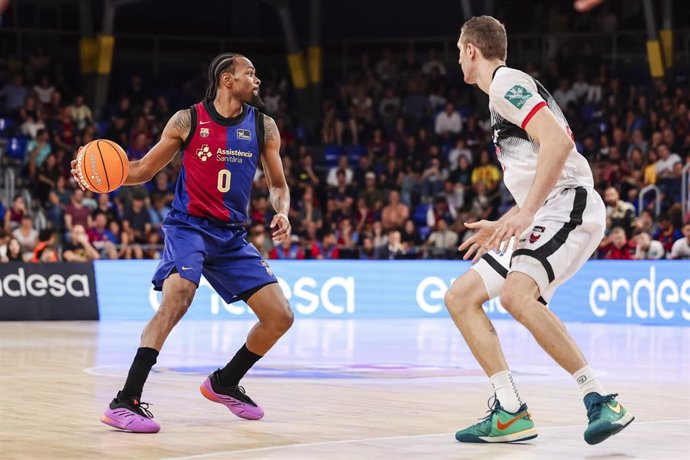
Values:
[(606, 417), (500, 426)]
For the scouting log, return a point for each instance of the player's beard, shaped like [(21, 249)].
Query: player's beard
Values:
[(256, 101)]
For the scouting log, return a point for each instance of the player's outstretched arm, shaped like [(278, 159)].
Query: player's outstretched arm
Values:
[(175, 132), (279, 193)]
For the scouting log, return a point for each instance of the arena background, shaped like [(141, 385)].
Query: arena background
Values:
[(359, 87)]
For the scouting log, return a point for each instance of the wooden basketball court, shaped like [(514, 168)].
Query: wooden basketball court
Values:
[(333, 389)]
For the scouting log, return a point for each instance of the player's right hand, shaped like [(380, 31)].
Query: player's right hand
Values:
[(476, 244), (74, 172)]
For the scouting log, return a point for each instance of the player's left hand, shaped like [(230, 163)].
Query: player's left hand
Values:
[(282, 233), (509, 228)]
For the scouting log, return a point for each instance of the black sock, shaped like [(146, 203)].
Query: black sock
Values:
[(143, 362), (243, 360)]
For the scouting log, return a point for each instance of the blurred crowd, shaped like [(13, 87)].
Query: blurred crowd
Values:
[(402, 159)]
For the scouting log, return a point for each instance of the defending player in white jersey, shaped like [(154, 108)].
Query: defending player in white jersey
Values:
[(557, 223)]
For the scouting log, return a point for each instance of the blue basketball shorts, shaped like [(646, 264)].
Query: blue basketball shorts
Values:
[(196, 246)]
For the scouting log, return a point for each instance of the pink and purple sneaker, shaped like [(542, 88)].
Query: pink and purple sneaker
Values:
[(234, 398), (130, 415)]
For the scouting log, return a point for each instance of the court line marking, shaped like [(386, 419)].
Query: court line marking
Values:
[(386, 438)]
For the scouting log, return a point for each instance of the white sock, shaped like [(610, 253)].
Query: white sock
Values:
[(506, 392), (588, 381)]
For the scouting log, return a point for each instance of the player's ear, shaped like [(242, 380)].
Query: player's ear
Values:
[(226, 78)]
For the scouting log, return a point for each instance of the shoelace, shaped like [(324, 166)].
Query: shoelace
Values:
[(494, 407), (143, 409), (243, 395), (594, 410)]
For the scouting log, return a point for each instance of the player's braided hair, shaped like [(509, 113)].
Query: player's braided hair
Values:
[(222, 63)]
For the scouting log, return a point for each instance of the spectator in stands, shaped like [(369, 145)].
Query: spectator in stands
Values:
[(139, 148), (448, 123), (14, 94), (101, 237), (367, 251), (136, 221), (46, 249), (482, 206), (646, 248), (460, 150), (347, 236), (665, 163), (344, 194), (76, 212), (14, 215), (396, 213), (565, 94), (486, 172), (4, 239), (308, 211), (81, 113), (48, 175), (619, 213), (14, 251), (442, 242), (27, 235), (332, 179), (393, 248), (619, 248), (36, 152), (432, 180), (645, 222), (287, 250), (306, 177), (410, 236), (152, 249), (78, 248), (31, 117), (667, 233), (107, 207), (681, 248), (327, 248), (44, 90), (158, 210)]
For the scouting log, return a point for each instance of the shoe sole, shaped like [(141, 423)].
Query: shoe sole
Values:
[(617, 427), (211, 396), (115, 424), (524, 435)]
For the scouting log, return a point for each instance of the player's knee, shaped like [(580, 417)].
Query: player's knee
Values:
[(459, 300), (285, 320), (514, 303)]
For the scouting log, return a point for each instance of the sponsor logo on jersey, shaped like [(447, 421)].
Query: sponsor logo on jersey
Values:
[(244, 134), (204, 153), (518, 95), (204, 132), (536, 234)]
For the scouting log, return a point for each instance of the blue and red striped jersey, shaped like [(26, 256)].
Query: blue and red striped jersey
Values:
[(219, 160)]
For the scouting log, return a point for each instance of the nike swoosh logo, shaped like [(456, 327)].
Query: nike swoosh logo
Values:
[(204, 122), (616, 409), (187, 268), (503, 426)]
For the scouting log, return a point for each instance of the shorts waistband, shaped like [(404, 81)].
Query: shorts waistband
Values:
[(210, 221)]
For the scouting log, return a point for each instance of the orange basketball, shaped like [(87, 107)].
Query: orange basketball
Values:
[(102, 166)]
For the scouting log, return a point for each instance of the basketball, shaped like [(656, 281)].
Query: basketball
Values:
[(102, 166)]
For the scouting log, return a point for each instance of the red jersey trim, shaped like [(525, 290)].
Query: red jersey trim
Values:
[(532, 112)]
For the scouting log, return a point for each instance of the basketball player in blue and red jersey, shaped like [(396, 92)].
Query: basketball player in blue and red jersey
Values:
[(222, 139)]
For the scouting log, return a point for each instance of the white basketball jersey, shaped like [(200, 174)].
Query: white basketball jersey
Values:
[(514, 98)]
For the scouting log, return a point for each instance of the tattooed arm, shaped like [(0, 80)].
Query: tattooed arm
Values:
[(275, 177), (172, 137)]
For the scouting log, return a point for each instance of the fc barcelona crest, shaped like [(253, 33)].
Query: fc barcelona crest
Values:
[(204, 132)]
